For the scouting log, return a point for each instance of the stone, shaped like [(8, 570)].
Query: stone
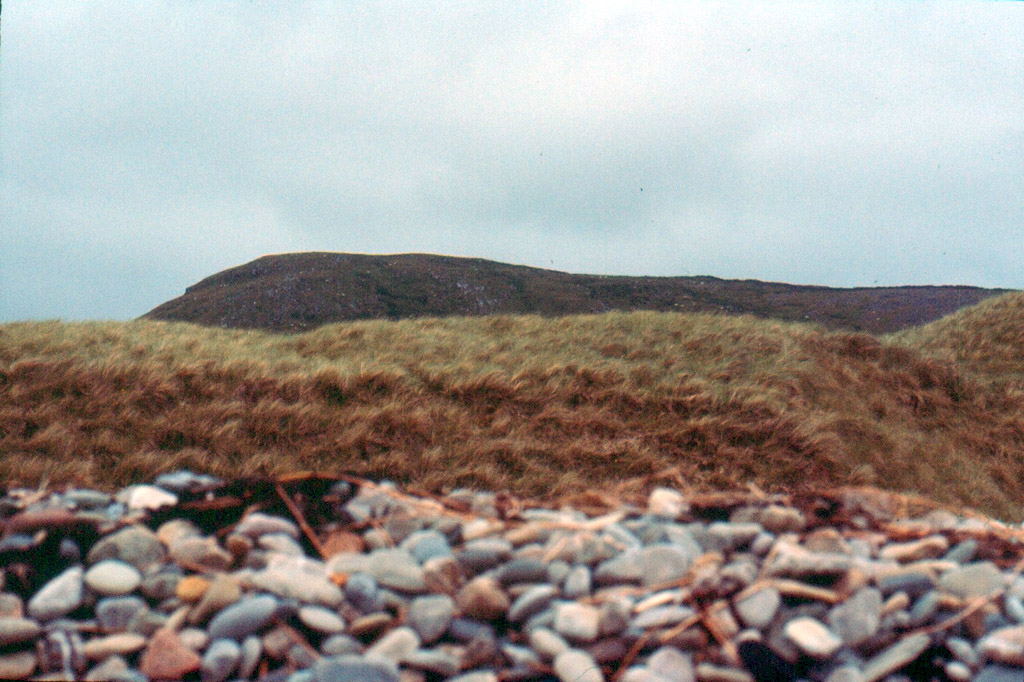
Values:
[(926, 548), (424, 545), (258, 523), (757, 608), (18, 630), (252, 651), (136, 545), (350, 668), (191, 588), (397, 569), (662, 616), (122, 644), (430, 616), (574, 665), (320, 619), (531, 602), (115, 614), (998, 673), (577, 622), (149, 497), (298, 578), (973, 580), (59, 597), (576, 583), (812, 637), (166, 658), (280, 543), (896, 656), (112, 577), (395, 645), (665, 563), (483, 598), (200, 552), (243, 618), (666, 503), (437, 661), (857, 619), (672, 665), (223, 591), (547, 643), (18, 665), (1004, 645), (220, 660)]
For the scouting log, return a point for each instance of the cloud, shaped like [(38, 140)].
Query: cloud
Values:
[(834, 143)]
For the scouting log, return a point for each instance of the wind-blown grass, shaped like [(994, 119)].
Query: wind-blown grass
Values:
[(539, 406)]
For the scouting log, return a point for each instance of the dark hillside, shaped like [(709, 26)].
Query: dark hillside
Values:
[(302, 291)]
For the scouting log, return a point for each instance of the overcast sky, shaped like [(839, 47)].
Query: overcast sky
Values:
[(146, 145)]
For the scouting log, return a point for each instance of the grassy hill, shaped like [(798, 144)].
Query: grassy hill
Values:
[(302, 291), (544, 407)]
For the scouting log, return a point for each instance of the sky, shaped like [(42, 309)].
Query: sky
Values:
[(147, 145)]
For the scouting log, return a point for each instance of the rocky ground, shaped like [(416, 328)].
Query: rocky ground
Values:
[(336, 580)]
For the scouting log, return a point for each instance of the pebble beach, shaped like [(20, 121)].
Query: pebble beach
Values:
[(342, 580)]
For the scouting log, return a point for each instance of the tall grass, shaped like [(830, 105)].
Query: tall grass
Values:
[(543, 407)]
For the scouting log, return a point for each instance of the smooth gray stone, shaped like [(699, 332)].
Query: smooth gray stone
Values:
[(432, 660), (431, 615), (577, 666), (627, 568), (426, 544), (243, 618), (361, 591), (914, 583), (1014, 607), (672, 665), (896, 656), (973, 580), (340, 645), (999, 673), (59, 597), (252, 651), (664, 563), (114, 614), (963, 650), (858, 618), (354, 669), (526, 570), (727, 537), (924, 608), (136, 545), (397, 569), (577, 582), (963, 551), (660, 616), (258, 523), (395, 645), (531, 602), (757, 609), (220, 660)]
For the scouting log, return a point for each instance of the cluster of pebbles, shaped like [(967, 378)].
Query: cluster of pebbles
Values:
[(184, 579)]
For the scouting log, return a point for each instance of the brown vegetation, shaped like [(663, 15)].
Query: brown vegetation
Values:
[(542, 407), (301, 291)]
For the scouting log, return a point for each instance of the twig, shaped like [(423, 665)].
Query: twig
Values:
[(301, 520)]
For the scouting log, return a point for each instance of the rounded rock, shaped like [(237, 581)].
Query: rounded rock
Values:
[(243, 618), (574, 665), (112, 577), (59, 597), (220, 660)]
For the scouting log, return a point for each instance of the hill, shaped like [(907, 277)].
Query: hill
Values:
[(302, 291), (613, 403)]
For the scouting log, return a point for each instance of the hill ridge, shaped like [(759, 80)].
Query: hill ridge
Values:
[(301, 291)]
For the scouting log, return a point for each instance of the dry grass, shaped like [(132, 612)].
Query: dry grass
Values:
[(543, 407)]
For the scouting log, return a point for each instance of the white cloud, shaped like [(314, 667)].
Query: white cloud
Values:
[(832, 143)]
